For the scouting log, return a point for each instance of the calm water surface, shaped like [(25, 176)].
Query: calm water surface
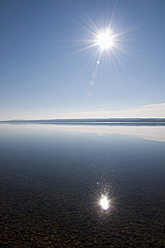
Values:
[(52, 179)]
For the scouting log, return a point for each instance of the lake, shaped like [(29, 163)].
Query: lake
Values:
[(54, 177)]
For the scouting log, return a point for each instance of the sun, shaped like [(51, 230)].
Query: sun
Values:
[(105, 40)]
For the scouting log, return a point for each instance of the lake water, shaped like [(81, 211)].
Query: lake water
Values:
[(53, 177)]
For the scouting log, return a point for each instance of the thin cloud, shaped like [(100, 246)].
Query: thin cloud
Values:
[(146, 111)]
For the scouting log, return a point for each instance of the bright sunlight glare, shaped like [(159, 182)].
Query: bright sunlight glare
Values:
[(104, 203), (105, 40)]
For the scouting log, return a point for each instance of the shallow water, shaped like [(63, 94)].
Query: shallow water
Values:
[(52, 178)]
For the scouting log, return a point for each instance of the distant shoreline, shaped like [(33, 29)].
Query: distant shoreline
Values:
[(93, 121)]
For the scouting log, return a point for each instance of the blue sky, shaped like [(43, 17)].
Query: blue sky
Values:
[(47, 71)]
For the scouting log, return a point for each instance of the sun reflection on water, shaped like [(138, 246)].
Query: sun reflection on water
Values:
[(104, 202)]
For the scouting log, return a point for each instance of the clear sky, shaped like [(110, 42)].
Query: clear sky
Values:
[(49, 53)]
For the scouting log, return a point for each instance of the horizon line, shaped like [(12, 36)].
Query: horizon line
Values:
[(92, 121)]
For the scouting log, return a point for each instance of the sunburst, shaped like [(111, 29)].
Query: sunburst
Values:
[(105, 39)]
